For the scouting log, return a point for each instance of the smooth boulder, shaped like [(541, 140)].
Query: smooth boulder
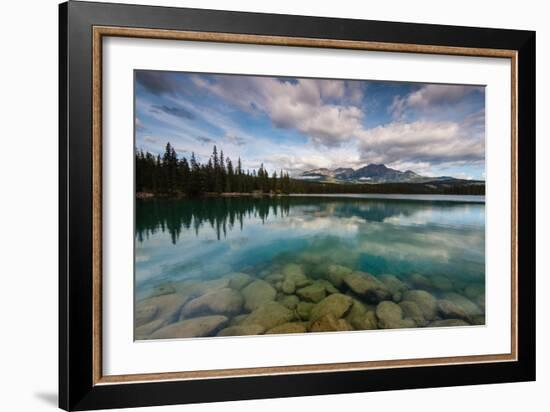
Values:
[(145, 313), (450, 310), (239, 280), (257, 293), (336, 273), (225, 301), (269, 315), (368, 286), (449, 322), (425, 301), (303, 310), (390, 316), (295, 273), (329, 323), (191, 328), (412, 311), (336, 304), (167, 307), (469, 307), (290, 327), (194, 288), (242, 330), (312, 293), (144, 331), (289, 301)]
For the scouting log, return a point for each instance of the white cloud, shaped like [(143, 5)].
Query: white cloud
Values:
[(151, 139), (323, 110), (431, 96), (426, 142)]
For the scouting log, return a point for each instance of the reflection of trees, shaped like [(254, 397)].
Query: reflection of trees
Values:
[(377, 211), (220, 213), (225, 213)]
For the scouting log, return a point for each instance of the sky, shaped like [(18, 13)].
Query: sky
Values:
[(299, 124)]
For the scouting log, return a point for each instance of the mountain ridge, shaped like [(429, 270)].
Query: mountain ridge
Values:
[(371, 173)]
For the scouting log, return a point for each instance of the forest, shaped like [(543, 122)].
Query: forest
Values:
[(171, 176)]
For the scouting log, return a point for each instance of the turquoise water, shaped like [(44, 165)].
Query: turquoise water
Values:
[(430, 243)]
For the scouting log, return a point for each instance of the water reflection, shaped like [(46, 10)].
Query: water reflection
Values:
[(210, 237), (223, 214), (188, 248)]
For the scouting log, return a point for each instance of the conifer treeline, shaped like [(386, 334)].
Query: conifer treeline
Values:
[(170, 175)]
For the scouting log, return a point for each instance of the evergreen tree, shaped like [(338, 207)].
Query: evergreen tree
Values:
[(168, 175)]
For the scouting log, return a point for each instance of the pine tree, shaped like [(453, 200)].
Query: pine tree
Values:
[(229, 180)]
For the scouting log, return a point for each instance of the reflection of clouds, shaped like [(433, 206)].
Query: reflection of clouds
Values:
[(140, 257), (420, 243), (319, 224), (387, 236), (463, 215)]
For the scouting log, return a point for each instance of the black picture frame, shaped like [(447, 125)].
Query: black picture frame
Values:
[(77, 390)]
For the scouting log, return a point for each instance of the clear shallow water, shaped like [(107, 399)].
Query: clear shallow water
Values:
[(432, 243)]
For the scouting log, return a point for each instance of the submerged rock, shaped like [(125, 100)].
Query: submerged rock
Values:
[(420, 282), (448, 309), (393, 283), (198, 289), (312, 293), (449, 322), (316, 271), (290, 327), (336, 274), (144, 331), (219, 302), (336, 304), (190, 328), (329, 287), (274, 278), (145, 313), (367, 285), (442, 283), (425, 301), (242, 330), (239, 280), (389, 314), (474, 291), (269, 315), (469, 307), (360, 317), (295, 273), (329, 323), (288, 286), (168, 307), (237, 320), (289, 301), (258, 293), (303, 310), (412, 311), (480, 301), (164, 289), (478, 320)]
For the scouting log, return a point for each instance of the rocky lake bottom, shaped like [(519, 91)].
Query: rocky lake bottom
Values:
[(300, 298), (236, 267)]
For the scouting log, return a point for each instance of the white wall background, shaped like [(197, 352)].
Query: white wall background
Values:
[(28, 217)]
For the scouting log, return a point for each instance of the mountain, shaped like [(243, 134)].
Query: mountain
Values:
[(372, 173)]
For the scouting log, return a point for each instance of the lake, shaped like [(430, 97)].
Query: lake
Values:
[(423, 257)]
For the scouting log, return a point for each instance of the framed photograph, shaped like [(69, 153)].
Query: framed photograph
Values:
[(257, 205)]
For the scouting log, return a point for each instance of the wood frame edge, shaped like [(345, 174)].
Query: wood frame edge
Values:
[(98, 32)]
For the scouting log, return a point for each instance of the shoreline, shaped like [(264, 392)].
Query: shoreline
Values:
[(389, 196)]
